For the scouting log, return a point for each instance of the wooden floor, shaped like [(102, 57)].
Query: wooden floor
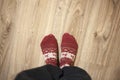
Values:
[(94, 23)]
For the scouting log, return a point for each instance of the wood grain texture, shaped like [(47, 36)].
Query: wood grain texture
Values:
[(94, 23)]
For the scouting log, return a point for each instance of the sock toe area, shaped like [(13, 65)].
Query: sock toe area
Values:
[(69, 41), (49, 41)]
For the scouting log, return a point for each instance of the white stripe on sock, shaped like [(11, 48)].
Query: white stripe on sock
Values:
[(68, 55), (50, 55), (64, 65)]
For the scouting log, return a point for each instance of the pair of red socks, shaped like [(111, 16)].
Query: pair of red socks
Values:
[(69, 48)]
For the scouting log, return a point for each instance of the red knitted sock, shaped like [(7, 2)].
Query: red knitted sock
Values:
[(49, 48), (69, 48)]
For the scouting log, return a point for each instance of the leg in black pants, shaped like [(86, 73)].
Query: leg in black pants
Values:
[(49, 72)]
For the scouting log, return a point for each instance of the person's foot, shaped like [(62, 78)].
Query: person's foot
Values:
[(49, 48), (69, 48)]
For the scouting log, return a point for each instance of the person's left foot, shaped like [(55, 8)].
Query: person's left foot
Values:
[(69, 48), (49, 48)]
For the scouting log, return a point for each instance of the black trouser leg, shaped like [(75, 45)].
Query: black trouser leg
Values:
[(74, 73), (47, 72)]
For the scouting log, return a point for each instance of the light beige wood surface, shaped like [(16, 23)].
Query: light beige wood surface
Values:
[(94, 23)]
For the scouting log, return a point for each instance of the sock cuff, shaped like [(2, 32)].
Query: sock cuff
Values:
[(64, 65)]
